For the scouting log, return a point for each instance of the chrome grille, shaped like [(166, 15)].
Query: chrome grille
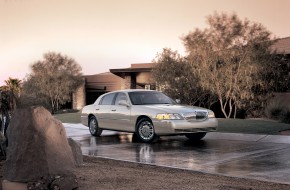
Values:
[(201, 115), (189, 115), (197, 115)]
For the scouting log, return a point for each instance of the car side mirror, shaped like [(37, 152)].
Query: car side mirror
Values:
[(178, 101), (123, 103)]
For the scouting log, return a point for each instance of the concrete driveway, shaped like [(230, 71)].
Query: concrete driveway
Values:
[(261, 157)]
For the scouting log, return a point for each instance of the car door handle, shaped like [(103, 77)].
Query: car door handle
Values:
[(114, 110), (97, 109)]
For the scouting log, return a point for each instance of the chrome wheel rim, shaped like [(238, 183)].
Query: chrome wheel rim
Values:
[(93, 126), (146, 130)]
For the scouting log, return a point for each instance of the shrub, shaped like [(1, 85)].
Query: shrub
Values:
[(274, 109), (66, 111), (285, 115)]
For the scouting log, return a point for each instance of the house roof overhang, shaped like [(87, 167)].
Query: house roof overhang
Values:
[(281, 46), (129, 71)]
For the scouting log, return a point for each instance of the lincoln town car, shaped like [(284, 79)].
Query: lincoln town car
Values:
[(148, 114)]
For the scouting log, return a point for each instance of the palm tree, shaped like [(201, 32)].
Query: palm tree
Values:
[(4, 114), (4, 105), (9, 94), (13, 86)]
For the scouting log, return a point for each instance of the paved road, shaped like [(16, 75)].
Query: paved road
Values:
[(262, 157)]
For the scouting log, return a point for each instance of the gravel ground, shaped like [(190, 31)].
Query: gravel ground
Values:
[(102, 174)]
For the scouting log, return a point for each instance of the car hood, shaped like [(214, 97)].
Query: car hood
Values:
[(171, 108)]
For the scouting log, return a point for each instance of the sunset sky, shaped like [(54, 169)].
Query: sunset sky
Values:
[(109, 34)]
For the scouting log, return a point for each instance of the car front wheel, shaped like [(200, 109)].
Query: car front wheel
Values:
[(195, 136), (94, 127), (145, 130)]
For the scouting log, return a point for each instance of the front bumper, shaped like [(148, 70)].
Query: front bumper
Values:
[(84, 119), (171, 127)]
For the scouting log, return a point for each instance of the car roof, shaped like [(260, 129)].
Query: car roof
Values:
[(125, 91), (132, 90)]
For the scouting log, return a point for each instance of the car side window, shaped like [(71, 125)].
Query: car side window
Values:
[(108, 99), (120, 96)]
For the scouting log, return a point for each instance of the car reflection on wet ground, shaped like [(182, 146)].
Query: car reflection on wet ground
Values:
[(249, 156)]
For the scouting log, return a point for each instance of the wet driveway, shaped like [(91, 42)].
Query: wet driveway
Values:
[(260, 157)]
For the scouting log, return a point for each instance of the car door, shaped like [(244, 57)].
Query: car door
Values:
[(121, 114), (104, 111)]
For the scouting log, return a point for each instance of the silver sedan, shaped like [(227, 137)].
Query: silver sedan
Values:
[(148, 114)]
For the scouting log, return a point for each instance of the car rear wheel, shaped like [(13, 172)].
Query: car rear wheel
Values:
[(145, 131), (94, 127), (195, 136)]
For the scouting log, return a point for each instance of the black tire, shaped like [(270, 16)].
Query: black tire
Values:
[(94, 127), (145, 131), (195, 136)]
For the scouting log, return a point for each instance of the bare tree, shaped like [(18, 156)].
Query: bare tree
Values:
[(53, 79)]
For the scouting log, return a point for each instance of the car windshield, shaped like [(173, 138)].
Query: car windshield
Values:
[(150, 97)]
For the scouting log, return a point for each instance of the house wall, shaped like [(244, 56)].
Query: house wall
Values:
[(283, 97), (144, 78), (126, 84), (129, 82)]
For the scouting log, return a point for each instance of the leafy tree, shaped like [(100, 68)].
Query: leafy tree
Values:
[(53, 79), (282, 80), (173, 74), (232, 59)]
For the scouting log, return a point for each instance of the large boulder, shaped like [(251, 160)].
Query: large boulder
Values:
[(77, 152), (37, 147), (2, 145)]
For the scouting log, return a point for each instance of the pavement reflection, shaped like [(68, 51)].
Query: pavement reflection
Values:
[(261, 160)]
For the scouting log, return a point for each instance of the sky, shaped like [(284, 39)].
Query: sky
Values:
[(111, 34)]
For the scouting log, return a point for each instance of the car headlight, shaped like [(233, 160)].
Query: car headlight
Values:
[(168, 116), (211, 114)]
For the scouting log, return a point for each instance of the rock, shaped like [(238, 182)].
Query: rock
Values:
[(2, 145), (77, 152), (54, 182), (37, 147), (64, 182), (8, 185)]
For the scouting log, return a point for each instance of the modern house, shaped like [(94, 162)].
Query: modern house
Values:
[(282, 50), (140, 76), (282, 46)]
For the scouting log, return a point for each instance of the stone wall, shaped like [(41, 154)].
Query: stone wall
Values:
[(79, 97), (129, 82)]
